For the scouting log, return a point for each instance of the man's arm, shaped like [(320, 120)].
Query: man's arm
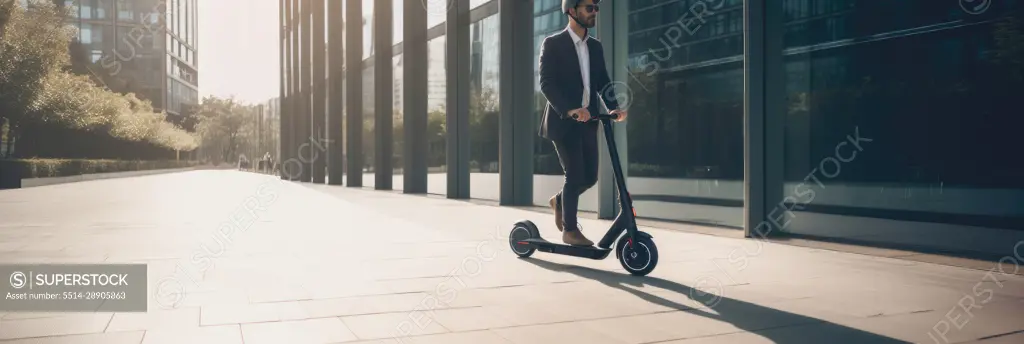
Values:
[(549, 85), (604, 82)]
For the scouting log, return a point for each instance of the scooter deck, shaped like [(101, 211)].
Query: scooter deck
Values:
[(591, 252)]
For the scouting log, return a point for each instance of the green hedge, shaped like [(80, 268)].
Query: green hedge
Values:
[(40, 168)]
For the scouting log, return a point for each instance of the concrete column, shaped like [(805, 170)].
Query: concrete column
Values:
[(260, 139), (295, 118), (612, 30), (753, 115), (383, 94), (336, 51), (304, 150), (775, 112), (457, 103), (763, 114), (284, 27), (317, 143), (516, 91), (354, 89), (414, 90)]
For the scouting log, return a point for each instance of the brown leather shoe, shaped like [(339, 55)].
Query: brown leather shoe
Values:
[(558, 212), (576, 238)]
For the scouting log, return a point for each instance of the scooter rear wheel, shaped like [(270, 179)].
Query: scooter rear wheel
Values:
[(640, 257), (523, 230)]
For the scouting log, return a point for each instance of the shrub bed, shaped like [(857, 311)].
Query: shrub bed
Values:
[(41, 168)]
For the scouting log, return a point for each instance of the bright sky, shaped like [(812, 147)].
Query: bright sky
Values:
[(238, 42)]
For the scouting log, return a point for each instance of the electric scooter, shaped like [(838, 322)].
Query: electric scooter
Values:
[(635, 249)]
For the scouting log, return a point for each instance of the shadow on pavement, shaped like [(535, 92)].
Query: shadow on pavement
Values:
[(772, 324)]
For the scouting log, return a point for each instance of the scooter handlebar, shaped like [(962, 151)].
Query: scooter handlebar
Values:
[(598, 117)]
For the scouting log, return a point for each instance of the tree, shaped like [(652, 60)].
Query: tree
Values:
[(224, 126), (6, 7), (33, 44), (41, 95)]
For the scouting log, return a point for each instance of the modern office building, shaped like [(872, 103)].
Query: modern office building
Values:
[(148, 47), (880, 122)]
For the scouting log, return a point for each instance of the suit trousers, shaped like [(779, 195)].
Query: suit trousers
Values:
[(577, 152)]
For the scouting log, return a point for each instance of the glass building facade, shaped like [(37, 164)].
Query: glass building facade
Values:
[(147, 46), (182, 42), (880, 121)]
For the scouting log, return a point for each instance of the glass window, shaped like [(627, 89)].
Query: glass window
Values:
[(369, 159), (397, 123), (124, 42), (437, 12), (85, 35), (477, 3), (905, 107), (105, 33), (367, 29), (148, 41), (437, 93), (195, 27), (483, 107), (102, 8), (179, 18), (183, 21), (85, 10), (124, 10), (397, 22), (683, 85)]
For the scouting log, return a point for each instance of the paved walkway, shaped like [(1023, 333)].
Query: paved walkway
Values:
[(323, 264)]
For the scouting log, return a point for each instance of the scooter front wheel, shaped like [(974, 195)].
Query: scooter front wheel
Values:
[(523, 230), (640, 256)]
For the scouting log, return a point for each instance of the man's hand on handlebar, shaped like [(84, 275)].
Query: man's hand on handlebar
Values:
[(619, 115), (581, 114)]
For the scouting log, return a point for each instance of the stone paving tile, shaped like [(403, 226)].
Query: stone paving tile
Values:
[(352, 288), (227, 334), (477, 318), (1015, 338), (391, 325), (155, 319), (190, 299), (67, 324), (252, 313), (471, 337), (312, 331), (134, 337), (278, 294), (995, 317), (568, 332), (804, 334), (389, 303), (32, 315)]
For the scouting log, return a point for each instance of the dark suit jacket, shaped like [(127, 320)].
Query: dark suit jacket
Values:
[(562, 85)]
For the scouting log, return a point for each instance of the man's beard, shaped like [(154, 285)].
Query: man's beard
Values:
[(587, 22)]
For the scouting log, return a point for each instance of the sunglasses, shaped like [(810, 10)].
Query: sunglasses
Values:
[(592, 8)]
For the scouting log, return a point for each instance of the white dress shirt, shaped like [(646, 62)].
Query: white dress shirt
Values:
[(584, 56)]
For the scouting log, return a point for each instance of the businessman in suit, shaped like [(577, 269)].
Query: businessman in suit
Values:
[(573, 77)]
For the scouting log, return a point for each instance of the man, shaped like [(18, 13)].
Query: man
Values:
[(572, 77)]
